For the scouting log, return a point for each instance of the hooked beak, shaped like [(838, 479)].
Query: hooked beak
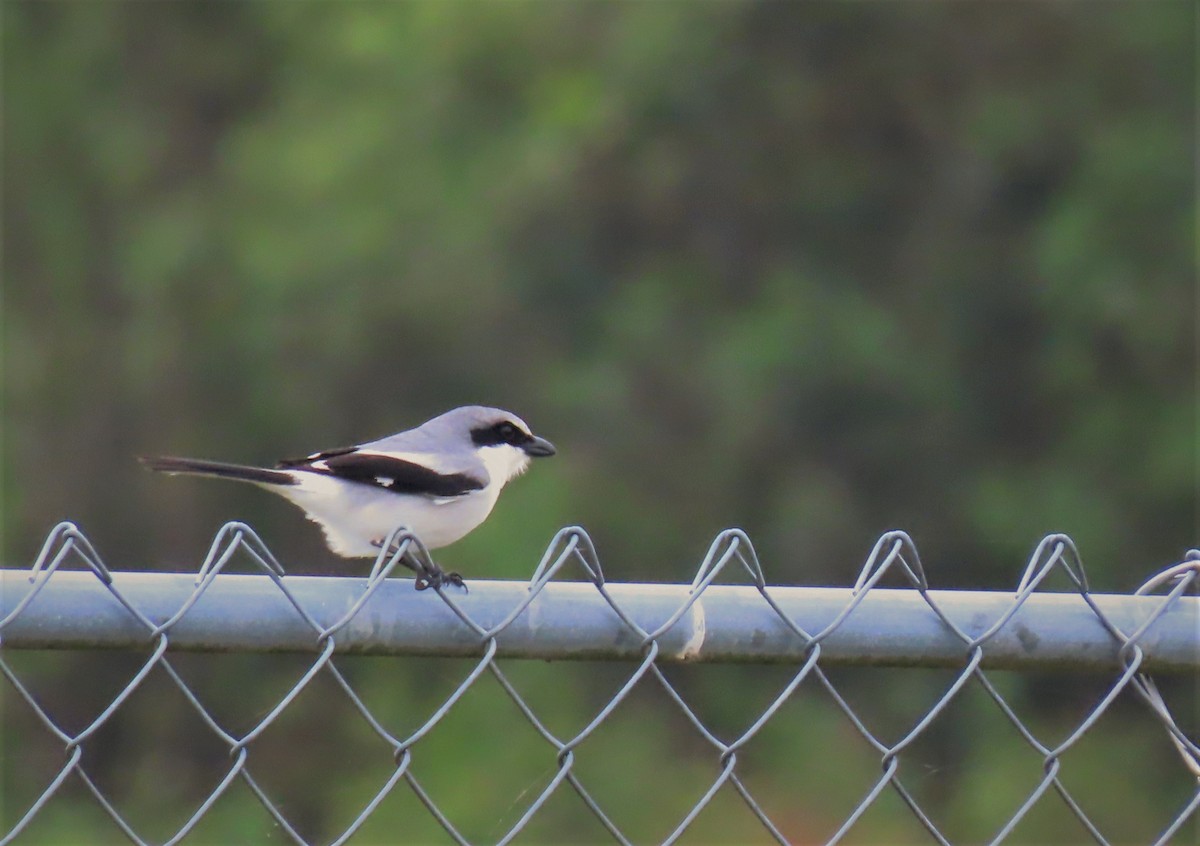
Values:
[(538, 447)]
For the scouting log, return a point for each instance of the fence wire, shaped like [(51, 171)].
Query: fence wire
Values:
[(1132, 648)]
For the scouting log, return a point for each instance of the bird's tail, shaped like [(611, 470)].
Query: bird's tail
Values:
[(197, 466)]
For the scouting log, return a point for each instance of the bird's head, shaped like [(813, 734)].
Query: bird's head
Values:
[(503, 441)]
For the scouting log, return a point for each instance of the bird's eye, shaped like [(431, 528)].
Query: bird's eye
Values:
[(509, 433), (504, 432)]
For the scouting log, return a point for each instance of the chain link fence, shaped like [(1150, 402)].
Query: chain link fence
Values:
[(71, 600)]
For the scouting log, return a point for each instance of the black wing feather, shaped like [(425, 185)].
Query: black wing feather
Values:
[(387, 472)]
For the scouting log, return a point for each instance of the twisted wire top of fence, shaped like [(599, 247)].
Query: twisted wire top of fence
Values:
[(1156, 628)]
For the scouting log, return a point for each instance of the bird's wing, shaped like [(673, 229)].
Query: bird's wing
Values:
[(426, 474)]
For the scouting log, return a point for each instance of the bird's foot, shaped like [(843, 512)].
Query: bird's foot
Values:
[(429, 574), (432, 576)]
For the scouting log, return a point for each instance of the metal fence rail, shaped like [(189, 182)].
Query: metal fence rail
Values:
[(650, 626)]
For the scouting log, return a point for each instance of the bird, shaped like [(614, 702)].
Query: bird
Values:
[(439, 480)]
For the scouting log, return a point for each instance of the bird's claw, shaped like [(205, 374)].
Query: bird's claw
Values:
[(436, 578)]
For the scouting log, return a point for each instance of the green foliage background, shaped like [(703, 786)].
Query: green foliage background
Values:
[(818, 270)]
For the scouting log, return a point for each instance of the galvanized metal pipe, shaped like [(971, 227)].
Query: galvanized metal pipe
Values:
[(570, 620)]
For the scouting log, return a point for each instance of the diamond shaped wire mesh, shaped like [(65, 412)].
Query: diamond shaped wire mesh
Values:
[(652, 648)]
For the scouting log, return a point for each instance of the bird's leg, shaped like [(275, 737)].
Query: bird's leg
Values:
[(428, 573)]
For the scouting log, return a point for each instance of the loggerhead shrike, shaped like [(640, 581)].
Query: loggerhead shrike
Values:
[(439, 480)]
